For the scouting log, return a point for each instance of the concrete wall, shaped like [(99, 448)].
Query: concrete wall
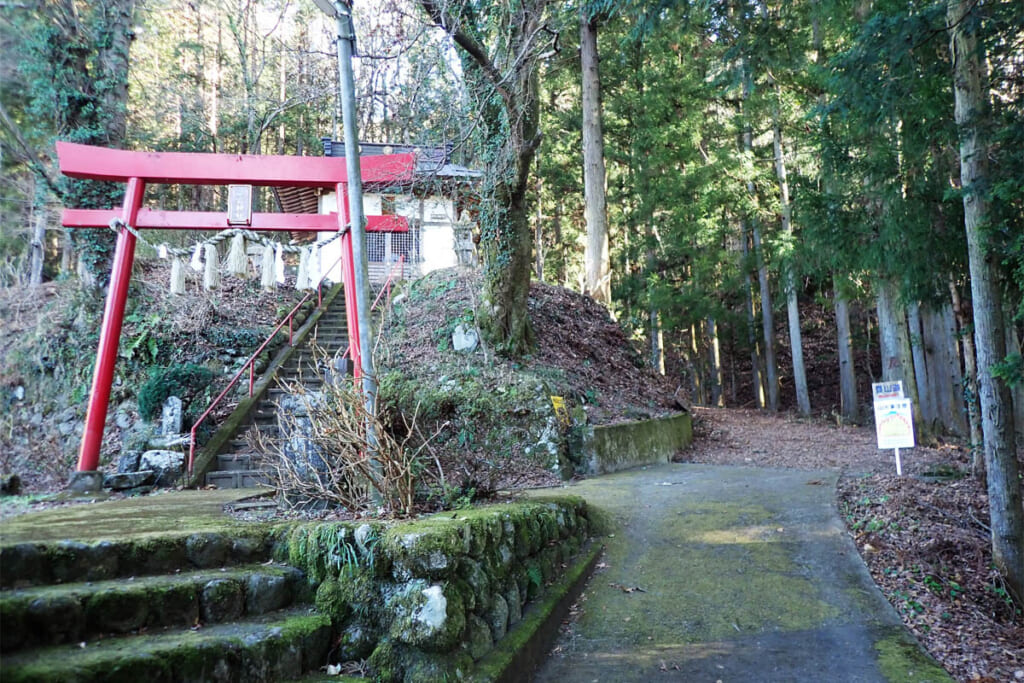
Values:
[(609, 448)]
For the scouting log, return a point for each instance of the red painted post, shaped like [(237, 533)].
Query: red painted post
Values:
[(110, 333), (348, 278)]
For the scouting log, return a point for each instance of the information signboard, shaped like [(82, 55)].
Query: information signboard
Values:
[(886, 391), (894, 424)]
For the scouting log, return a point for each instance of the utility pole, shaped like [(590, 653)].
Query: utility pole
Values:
[(342, 12)]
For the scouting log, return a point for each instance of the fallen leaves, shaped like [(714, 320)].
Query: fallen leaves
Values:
[(627, 589)]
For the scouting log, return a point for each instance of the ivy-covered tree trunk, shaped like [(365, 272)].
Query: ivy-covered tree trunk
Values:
[(77, 65), (499, 58), (970, 89)]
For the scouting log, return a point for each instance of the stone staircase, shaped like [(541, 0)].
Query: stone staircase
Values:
[(239, 467), (206, 607)]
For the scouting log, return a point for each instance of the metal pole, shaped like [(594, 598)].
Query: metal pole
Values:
[(346, 43), (110, 333)]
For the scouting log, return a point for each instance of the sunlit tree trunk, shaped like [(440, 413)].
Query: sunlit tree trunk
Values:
[(596, 260), (751, 314), (715, 362), (847, 377), (803, 399), (767, 314), (970, 89)]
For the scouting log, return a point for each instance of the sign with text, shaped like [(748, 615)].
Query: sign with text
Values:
[(894, 424), (887, 391), (239, 204)]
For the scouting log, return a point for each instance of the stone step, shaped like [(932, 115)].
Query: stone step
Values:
[(273, 647), (233, 462), (75, 612), (238, 479), (63, 562)]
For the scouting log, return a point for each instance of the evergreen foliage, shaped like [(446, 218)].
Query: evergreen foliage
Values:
[(187, 381)]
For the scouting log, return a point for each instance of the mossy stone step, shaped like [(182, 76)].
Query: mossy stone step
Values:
[(278, 646), (238, 479), (61, 562), (52, 615)]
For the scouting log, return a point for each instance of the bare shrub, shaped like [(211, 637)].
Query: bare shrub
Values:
[(323, 454)]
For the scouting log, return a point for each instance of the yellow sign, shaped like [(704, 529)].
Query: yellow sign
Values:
[(561, 412)]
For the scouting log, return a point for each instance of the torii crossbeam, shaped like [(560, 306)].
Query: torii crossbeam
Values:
[(137, 169)]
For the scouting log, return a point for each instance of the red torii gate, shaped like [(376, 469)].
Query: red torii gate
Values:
[(137, 169)]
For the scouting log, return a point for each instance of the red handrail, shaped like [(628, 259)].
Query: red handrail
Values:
[(385, 288), (250, 364)]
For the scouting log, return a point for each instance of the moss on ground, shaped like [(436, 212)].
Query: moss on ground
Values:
[(725, 555), (902, 660), (163, 514)]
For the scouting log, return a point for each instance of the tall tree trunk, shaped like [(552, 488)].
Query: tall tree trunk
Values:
[(114, 64), (925, 392), (38, 246), (697, 382), (715, 363), (942, 357), (1013, 346), (38, 216), (971, 389), (503, 77), (888, 335), (847, 377), (897, 357), (596, 254), (561, 276), (657, 341), (970, 90), (767, 323), (751, 313), (803, 398), (767, 314)]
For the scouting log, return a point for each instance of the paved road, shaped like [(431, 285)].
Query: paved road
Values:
[(730, 574)]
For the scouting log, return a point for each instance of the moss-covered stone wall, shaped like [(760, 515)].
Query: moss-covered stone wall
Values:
[(609, 448), (425, 600)]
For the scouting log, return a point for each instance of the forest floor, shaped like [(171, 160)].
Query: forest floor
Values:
[(924, 536)]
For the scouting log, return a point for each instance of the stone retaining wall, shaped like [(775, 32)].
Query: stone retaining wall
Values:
[(425, 600), (609, 448)]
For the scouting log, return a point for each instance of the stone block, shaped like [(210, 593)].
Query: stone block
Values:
[(121, 481), (478, 637), (207, 550), (128, 461), (221, 600), (497, 617), (168, 465), (465, 338), (86, 482), (266, 593), (170, 416)]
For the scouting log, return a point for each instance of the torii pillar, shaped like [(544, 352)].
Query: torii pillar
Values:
[(136, 170)]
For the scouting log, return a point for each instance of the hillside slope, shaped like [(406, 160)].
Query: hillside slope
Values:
[(493, 416)]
